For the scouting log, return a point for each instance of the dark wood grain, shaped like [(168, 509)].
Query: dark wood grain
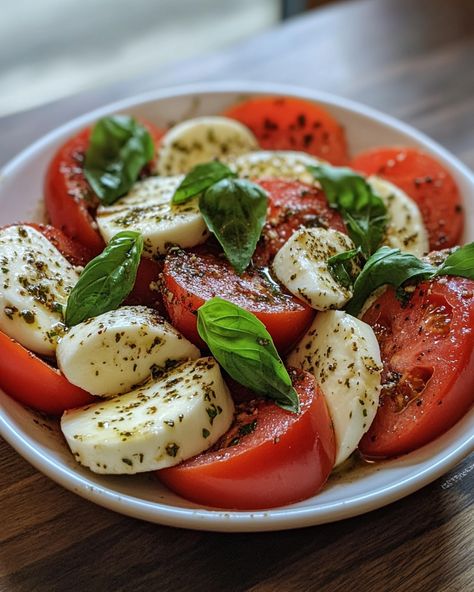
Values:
[(413, 59)]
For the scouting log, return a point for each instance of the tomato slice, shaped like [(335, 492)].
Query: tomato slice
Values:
[(427, 182), (190, 278), (145, 291), (69, 199), (269, 457), (292, 205), (427, 349), (29, 380), (75, 252), (288, 123)]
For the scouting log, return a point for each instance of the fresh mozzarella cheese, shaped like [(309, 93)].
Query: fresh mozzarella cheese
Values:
[(405, 229), (35, 281), (343, 355), (111, 354), (158, 425), (284, 164), (148, 210), (200, 140), (302, 266)]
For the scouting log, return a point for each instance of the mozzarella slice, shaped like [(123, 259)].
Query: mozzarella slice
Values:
[(35, 281), (343, 355), (158, 425), (302, 266), (405, 230), (266, 164), (200, 140), (110, 354), (148, 210)]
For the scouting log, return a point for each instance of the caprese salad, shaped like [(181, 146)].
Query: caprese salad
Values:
[(236, 305)]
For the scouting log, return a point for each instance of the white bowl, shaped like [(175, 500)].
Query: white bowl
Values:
[(355, 492)]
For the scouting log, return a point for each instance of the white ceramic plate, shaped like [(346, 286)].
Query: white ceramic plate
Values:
[(358, 491)]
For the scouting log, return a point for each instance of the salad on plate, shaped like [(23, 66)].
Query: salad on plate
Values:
[(237, 304)]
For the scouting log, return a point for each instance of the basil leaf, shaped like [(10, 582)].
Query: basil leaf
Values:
[(386, 266), (364, 212), (106, 280), (341, 267), (235, 210), (119, 148), (244, 348), (200, 178), (460, 263)]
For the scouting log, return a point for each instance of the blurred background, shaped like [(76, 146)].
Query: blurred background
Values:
[(54, 48)]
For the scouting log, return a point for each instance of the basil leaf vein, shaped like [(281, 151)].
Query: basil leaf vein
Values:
[(235, 211), (364, 212), (119, 148), (244, 348), (200, 178), (106, 280)]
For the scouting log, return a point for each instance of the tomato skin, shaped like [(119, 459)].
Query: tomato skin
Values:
[(292, 205), (428, 353), (289, 123), (288, 457), (29, 380), (427, 182), (190, 278), (69, 199)]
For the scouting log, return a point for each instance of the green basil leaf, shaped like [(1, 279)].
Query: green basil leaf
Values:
[(235, 210), (200, 178), (244, 348), (386, 266), (364, 212), (460, 263), (106, 280), (119, 148), (341, 267)]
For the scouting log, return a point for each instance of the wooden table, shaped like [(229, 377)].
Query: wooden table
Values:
[(413, 59)]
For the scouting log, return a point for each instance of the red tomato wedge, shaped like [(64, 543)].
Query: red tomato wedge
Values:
[(427, 349), (69, 199), (145, 291), (270, 457), (288, 123), (190, 278), (292, 205), (29, 380), (427, 182)]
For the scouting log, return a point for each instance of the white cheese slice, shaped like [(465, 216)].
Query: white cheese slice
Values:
[(158, 425), (35, 281), (282, 164), (405, 229), (147, 209), (343, 355), (200, 140), (112, 353), (301, 265)]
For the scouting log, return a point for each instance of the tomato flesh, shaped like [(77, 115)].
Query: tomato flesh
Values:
[(29, 380), (427, 182), (427, 349), (292, 205), (269, 457), (289, 123), (190, 278)]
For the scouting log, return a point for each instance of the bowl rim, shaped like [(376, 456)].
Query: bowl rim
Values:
[(228, 520)]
